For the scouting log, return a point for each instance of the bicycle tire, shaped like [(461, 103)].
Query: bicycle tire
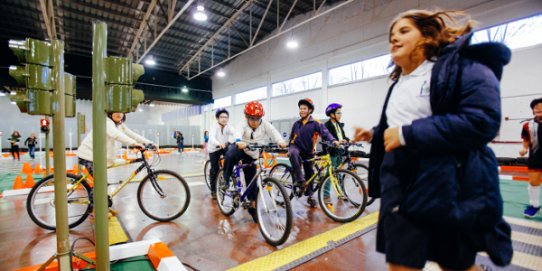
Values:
[(224, 198), (364, 176), (207, 173), (283, 173), (41, 197), (169, 206), (344, 202), (269, 186)]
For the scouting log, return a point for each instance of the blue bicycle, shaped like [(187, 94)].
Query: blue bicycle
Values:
[(273, 209)]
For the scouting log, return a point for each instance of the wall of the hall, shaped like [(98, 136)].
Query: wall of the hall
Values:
[(148, 122), (356, 32)]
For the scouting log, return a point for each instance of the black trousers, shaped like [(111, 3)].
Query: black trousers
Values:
[(214, 157), (232, 157)]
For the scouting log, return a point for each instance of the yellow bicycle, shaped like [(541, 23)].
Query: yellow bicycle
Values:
[(162, 195)]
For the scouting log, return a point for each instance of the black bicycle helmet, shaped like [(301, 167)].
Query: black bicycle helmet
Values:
[(220, 111)]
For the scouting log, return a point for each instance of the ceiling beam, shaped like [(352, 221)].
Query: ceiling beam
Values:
[(151, 7), (183, 9), (44, 7), (212, 39)]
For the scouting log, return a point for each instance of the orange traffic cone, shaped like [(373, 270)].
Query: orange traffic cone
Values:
[(37, 168), (29, 181), (18, 183), (27, 168)]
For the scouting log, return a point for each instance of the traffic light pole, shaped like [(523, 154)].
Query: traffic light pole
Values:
[(46, 152), (59, 152), (99, 53)]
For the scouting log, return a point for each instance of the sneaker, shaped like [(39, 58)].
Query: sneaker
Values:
[(311, 202), (327, 200), (531, 211), (252, 212)]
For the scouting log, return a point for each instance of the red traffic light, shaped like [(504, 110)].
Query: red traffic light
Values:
[(44, 122)]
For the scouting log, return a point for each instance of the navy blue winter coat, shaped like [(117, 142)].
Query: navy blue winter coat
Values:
[(446, 175)]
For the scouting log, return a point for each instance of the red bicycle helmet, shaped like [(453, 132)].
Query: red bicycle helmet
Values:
[(254, 109), (308, 102)]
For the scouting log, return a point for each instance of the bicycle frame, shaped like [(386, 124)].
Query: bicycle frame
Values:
[(325, 161), (144, 164)]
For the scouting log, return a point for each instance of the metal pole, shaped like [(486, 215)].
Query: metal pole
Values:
[(47, 158), (61, 199), (79, 132), (99, 53)]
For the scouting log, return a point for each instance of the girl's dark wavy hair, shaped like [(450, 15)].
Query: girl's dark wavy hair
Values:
[(110, 115), (439, 28)]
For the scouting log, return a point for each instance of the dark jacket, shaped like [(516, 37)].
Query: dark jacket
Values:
[(304, 135), (448, 175), (331, 128)]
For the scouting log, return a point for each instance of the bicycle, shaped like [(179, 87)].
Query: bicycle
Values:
[(162, 195), (273, 208), (207, 170), (349, 161), (347, 197)]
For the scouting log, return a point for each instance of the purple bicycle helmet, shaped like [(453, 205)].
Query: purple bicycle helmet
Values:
[(331, 108)]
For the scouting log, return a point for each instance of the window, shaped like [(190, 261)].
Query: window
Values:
[(251, 95), (298, 84), (518, 34), (222, 102), (365, 69)]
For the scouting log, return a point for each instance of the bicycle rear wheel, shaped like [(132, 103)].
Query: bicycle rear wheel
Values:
[(225, 194), (347, 198), (40, 203), (283, 173), (363, 173), (163, 195), (274, 212), (207, 173)]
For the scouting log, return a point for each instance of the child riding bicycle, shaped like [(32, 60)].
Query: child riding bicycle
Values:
[(253, 130), (302, 139)]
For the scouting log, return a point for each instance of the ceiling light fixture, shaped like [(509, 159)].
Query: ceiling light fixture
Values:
[(184, 89), (292, 44), (150, 61), (200, 15), (221, 73)]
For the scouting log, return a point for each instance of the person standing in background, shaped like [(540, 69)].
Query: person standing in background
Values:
[(205, 142), (532, 140), (180, 141), (31, 142), (14, 141)]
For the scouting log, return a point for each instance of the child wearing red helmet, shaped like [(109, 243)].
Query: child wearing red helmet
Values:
[(253, 130)]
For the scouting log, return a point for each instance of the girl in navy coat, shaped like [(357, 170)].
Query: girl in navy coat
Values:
[(430, 164)]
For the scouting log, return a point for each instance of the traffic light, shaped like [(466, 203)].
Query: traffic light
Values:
[(35, 95), (120, 76), (34, 75), (44, 125)]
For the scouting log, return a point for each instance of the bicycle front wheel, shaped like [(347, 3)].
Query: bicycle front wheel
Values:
[(207, 173), (40, 203), (227, 196), (283, 173), (363, 173), (345, 199), (274, 212), (163, 195)]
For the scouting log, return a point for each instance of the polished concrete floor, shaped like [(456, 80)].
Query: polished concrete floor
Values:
[(203, 238)]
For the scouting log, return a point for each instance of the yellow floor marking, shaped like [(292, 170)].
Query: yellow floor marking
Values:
[(523, 222), (304, 248), (116, 232), (526, 238)]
